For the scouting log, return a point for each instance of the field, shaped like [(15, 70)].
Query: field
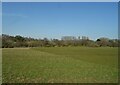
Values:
[(60, 64)]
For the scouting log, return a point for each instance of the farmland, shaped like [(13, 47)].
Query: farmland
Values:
[(60, 64)]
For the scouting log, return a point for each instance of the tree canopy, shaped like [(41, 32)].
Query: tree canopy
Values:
[(19, 41)]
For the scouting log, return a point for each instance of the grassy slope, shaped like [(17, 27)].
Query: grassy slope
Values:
[(0, 66), (60, 64)]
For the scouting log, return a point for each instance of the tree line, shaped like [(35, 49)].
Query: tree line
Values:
[(19, 41)]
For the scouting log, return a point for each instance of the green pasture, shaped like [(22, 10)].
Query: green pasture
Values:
[(60, 65)]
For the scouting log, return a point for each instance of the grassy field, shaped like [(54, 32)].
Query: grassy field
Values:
[(60, 64)]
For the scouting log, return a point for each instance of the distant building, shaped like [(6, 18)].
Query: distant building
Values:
[(68, 38)]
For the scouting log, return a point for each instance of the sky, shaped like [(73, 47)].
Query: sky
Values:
[(57, 19), (0, 18)]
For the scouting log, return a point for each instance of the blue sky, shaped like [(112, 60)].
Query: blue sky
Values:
[(54, 20)]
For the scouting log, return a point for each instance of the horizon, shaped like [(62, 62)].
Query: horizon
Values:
[(57, 19), (76, 37)]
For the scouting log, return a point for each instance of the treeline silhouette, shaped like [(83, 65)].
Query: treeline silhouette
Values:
[(19, 41)]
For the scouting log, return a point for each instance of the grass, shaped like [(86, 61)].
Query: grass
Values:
[(0, 66), (60, 64)]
